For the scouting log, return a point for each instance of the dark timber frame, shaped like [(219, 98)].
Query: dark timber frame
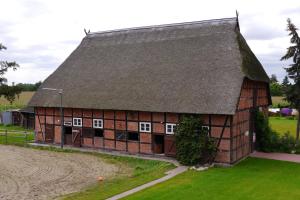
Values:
[(233, 133)]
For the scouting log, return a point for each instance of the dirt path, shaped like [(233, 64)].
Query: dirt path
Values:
[(277, 156), (35, 174)]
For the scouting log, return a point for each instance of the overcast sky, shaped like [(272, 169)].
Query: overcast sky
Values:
[(40, 34)]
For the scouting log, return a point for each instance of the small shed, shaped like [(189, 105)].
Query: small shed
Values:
[(6, 117), (11, 117), (19, 117), (27, 120)]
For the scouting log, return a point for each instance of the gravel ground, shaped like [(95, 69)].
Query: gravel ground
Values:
[(37, 174)]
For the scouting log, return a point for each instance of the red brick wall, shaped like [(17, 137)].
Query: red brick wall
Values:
[(234, 144), (120, 121), (241, 123)]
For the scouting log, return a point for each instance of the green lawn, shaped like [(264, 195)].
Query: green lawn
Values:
[(15, 135), (283, 125), (252, 179)]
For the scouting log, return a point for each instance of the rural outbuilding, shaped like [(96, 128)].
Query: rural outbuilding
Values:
[(126, 89)]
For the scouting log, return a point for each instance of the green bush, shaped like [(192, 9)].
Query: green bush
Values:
[(267, 140), (193, 144), (287, 143)]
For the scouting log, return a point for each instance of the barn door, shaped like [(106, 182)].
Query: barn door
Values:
[(170, 147), (251, 130), (158, 144), (76, 137), (49, 133)]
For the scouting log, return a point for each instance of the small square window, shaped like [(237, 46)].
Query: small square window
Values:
[(98, 133), (145, 127), (97, 123), (77, 122), (134, 136), (170, 128), (121, 135)]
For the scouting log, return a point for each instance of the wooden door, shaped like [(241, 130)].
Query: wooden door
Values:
[(68, 135), (170, 147), (49, 133), (158, 144), (76, 137)]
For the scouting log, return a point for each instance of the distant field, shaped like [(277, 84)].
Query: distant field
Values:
[(19, 102), (282, 125), (279, 100)]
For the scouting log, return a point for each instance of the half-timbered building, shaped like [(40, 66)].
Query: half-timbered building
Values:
[(127, 89)]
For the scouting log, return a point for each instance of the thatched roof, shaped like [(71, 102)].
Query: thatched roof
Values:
[(195, 67), (27, 109)]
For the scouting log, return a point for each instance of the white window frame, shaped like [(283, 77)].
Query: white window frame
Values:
[(145, 124), (206, 127), (77, 122), (67, 123), (172, 127), (96, 123)]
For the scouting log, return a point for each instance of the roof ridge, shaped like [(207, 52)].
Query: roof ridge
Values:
[(161, 26)]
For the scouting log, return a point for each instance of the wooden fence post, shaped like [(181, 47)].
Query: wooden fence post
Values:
[(25, 137), (5, 136)]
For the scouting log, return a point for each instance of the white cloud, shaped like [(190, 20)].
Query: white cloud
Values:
[(40, 34)]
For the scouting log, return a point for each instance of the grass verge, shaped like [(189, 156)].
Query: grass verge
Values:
[(252, 179)]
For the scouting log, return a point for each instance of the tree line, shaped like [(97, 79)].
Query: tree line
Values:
[(277, 88), (11, 92)]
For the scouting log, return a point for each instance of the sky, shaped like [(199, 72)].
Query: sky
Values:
[(41, 34)]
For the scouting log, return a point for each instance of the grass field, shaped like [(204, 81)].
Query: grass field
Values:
[(19, 102), (252, 179), (282, 125), (15, 135), (276, 100)]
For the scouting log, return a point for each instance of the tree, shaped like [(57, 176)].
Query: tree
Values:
[(275, 89), (9, 92), (285, 85), (293, 70), (273, 78), (29, 86), (5, 65)]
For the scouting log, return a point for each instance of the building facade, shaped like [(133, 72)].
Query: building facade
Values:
[(153, 132), (126, 90)]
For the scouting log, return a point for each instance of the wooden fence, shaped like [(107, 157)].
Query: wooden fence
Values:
[(15, 137)]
